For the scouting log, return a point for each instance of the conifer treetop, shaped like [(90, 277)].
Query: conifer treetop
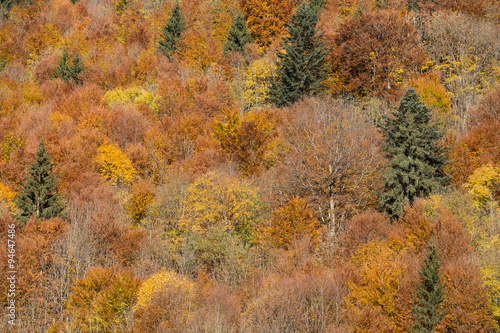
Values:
[(301, 67), (38, 194)]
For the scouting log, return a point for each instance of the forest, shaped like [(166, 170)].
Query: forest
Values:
[(250, 166)]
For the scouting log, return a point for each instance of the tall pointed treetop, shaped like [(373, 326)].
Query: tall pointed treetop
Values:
[(301, 67), (38, 194), (238, 36), (416, 160), (172, 31), (427, 310)]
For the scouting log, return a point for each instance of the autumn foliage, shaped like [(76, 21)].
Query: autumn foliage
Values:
[(192, 203)]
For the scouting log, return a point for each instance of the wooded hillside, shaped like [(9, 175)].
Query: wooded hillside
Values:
[(250, 166)]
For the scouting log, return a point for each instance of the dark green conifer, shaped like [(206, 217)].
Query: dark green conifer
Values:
[(301, 67), (427, 310), (238, 36), (416, 159), (38, 194), (69, 70), (171, 32)]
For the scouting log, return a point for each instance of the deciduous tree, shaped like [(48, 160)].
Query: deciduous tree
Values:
[(373, 54)]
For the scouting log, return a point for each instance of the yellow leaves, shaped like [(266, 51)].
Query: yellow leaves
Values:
[(57, 118), (7, 197), (291, 222), (144, 66), (165, 301), (224, 129), (228, 204), (434, 95), (101, 299), (381, 275), (46, 36), (258, 77), (484, 185), (114, 165), (491, 278), (161, 282), (267, 19), (142, 196), (10, 144), (32, 94), (133, 95)]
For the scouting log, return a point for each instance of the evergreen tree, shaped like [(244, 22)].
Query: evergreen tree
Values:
[(317, 5), (238, 36), (301, 65), (37, 196), (416, 159), (69, 70), (171, 32), (427, 310)]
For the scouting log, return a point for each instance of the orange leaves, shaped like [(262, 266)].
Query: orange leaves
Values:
[(267, 19), (293, 221), (102, 298), (142, 196), (164, 303), (374, 53), (246, 139)]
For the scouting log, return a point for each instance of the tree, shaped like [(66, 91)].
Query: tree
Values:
[(69, 70), (267, 19), (430, 295), (373, 53), (416, 159), (238, 35), (172, 31), (301, 65), (37, 196)]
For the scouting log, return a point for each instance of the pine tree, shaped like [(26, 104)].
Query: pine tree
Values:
[(416, 159), (238, 36), (427, 310), (171, 32), (37, 196), (301, 65), (69, 70)]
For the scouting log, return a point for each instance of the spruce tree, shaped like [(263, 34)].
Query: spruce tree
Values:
[(427, 311), (69, 70), (171, 32), (416, 158), (238, 36), (301, 67), (38, 194)]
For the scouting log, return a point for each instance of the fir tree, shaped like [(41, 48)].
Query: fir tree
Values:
[(37, 196), (427, 310), (416, 159), (301, 65), (238, 36), (69, 70), (317, 5), (171, 32)]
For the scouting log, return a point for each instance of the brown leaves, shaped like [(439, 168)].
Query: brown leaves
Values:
[(374, 53)]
